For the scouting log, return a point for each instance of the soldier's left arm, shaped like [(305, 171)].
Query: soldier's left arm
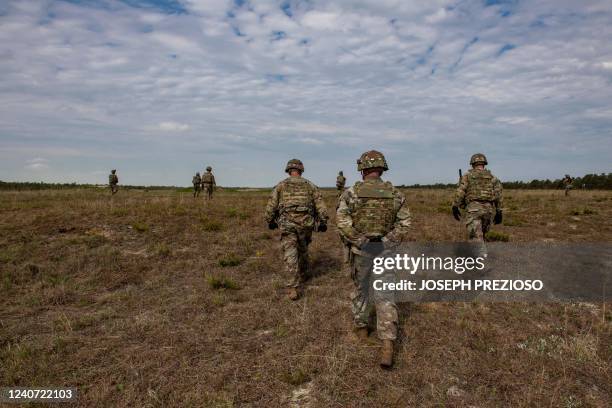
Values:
[(214, 183), (272, 206), (403, 219), (320, 208)]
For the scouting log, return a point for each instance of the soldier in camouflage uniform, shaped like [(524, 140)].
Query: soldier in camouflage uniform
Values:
[(208, 182), (340, 183), (113, 181), (295, 206), (372, 211), (197, 181), (480, 194), (567, 183)]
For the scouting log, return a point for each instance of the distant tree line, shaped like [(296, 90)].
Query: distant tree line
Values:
[(13, 185), (601, 181)]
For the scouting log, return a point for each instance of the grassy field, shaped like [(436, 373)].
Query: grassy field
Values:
[(158, 299)]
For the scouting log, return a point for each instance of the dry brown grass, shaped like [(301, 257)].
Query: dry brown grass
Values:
[(157, 299)]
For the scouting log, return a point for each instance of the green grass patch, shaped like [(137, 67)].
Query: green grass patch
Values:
[(211, 225), (140, 227), (162, 250), (119, 212), (583, 211), (497, 236), (230, 260), (222, 282)]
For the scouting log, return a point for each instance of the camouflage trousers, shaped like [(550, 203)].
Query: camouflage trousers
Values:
[(196, 190), (365, 301), (478, 218), (294, 243), (208, 189), (114, 188)]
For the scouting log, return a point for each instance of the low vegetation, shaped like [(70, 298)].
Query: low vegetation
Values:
[(159, 299)]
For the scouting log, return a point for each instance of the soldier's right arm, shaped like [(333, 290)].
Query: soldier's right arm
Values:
[(344, 219), (272, 206), (459, 200)]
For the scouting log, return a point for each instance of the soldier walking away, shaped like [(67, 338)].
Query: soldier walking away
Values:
[(340, 183), (372, 210), (480, 194), (208, 182), (296, 207), (197, 181), (567, 184), (113, 181)]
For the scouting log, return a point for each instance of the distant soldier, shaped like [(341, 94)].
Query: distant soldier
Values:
[(113, 181), (197, 181), (480, 194), (372, 211), (295, 206), (567, 183), (208, 182), (340, 183)]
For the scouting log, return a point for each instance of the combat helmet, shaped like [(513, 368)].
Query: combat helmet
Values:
[(198, 173), (113, 171), (372, 159), (208, 168), (478, 158), (340, 173), (294, 164)]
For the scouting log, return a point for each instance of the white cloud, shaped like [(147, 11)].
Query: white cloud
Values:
[(513, 120), (173, 127), (37, 164), (251, 85)]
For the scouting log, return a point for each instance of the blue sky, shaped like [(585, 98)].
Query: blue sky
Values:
[(160, 89)]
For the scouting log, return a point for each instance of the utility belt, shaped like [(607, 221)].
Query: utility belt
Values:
[(297, 209)]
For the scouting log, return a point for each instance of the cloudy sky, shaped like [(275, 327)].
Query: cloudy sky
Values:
[(161, 88)]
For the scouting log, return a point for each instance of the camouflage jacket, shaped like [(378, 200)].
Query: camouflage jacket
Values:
[(296, 203), (196, 180), (113, 179), (350, 204), (478, 185), (208, 178)]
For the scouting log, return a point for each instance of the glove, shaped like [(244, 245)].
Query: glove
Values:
[(456, 213), (322, 227), (272, 225), (498, 217)]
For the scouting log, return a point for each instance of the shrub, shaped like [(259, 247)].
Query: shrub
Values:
[(140, 226), (222, 282), (211, 225), (497, 236), (162, 250), (230, 260)]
